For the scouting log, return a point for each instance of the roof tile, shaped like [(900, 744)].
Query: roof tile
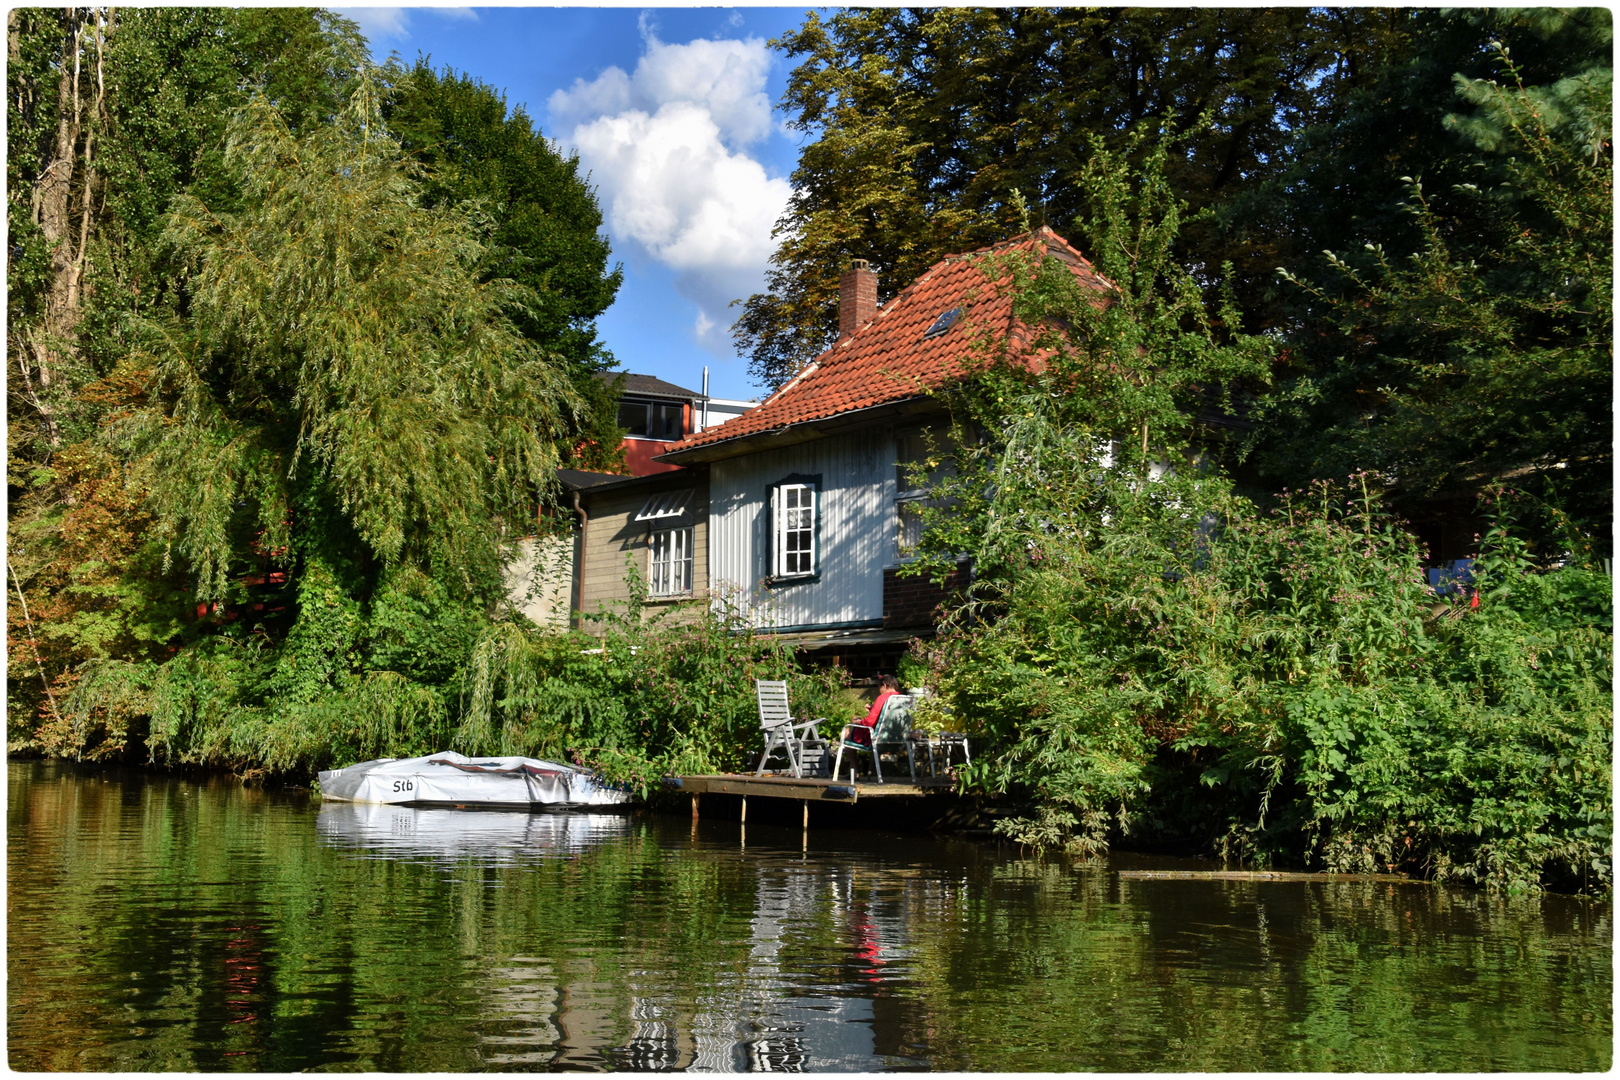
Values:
[(888, 359)]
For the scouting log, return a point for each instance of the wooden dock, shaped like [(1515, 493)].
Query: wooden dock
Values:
[(1254, 875), (806, 789)]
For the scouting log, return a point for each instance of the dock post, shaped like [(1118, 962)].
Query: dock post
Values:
[(806, 804), (745, 810), (694, 807)]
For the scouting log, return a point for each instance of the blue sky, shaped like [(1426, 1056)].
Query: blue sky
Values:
[(672, 111)]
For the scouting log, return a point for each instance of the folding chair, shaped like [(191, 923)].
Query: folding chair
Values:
[(781, 733)]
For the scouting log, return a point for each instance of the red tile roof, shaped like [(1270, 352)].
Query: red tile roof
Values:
[(889, 359)]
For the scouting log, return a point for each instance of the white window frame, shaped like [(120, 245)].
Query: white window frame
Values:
[(794, 551), (669, 562)]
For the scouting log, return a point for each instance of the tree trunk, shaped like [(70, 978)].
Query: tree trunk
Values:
[(52, 341)]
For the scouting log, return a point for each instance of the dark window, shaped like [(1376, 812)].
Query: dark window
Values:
[(633, 417), (652, 419), (667, 422)]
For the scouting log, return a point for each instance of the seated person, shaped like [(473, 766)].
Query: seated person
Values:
[(860, 731)]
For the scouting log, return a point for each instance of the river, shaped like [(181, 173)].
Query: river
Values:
[(156, 922)]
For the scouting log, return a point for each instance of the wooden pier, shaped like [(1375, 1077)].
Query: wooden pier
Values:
[(805, 789)]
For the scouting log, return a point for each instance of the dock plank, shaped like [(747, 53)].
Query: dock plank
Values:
[(802, 788), (1251, 875)]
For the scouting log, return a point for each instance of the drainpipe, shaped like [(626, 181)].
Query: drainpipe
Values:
[(579, 564), (705, 397)]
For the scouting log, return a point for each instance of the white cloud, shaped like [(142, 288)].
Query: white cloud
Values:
[(378, 23), (726, 78), (666, 149)]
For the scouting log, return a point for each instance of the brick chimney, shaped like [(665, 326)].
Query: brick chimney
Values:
[(857, 297)]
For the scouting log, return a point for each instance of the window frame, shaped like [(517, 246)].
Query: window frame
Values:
[(777, 572), (673, 575), (651, 409)]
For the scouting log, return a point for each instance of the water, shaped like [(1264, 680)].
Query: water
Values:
[(179, 924)]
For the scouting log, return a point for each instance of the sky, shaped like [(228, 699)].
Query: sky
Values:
[(671, 112)]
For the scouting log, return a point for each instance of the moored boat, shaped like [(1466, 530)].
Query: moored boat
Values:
[(452, 779)]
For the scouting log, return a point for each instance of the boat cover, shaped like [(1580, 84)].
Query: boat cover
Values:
[(458, 780)]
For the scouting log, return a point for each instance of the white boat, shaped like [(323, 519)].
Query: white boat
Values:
[(452, 779)]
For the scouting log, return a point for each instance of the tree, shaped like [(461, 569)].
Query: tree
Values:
[(1463, 333), (925, 121), (111, 113), (338, 351), (540, 225)]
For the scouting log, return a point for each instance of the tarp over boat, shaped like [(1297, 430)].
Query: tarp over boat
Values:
[(454, 779)]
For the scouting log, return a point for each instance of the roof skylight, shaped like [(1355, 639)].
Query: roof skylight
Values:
[(943, 323)]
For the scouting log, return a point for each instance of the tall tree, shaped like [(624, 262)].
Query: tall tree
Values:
[(339, 351), (112, 113), (929, 119), (540, 223), (1460, 330)]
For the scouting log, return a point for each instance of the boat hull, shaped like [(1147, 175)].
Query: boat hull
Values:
[(452, 779)]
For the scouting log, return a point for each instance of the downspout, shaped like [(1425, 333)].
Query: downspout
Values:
[(579, 565)]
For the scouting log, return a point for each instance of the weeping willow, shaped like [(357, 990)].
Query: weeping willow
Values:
[(336, 354)]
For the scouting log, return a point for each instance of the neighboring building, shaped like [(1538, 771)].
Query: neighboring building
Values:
[(712, 412), (656, 524), (655, 414), (658, 414), (807, 507)]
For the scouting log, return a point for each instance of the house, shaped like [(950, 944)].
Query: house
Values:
[(651, 528), (657, 414), (549, 579), (806, 519)]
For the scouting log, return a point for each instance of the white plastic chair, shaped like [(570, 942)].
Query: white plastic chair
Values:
[(781, 733)]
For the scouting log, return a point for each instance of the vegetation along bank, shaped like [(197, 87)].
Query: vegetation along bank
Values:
[(285, 386)]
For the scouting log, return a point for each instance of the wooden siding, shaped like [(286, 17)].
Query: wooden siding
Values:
[(856, 530), (613, 540)]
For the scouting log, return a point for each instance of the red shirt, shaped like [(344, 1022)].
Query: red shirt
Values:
[(871, 718)]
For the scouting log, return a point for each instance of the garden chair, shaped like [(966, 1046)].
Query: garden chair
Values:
[(781, 733), (891, 730)]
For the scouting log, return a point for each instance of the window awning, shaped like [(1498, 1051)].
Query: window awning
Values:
[(670, 504)]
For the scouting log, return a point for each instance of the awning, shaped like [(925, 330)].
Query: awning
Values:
[(670, 504)]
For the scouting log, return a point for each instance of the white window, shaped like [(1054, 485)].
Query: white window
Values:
[(795, 541), (911, 526), (669, 562)]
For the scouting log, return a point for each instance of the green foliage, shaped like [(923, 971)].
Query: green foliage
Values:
[(1147, 653), (1470, 339), (926, 120), (538, 220), (339, 344), (670, 695), (288, 361)]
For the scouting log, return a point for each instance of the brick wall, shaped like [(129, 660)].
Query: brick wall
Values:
[(911, 602)]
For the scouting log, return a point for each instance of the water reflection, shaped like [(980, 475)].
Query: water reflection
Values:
[(496, 836), (161, 923)]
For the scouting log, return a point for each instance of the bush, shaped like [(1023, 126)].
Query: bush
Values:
[(671, 695), (1284, 686)]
